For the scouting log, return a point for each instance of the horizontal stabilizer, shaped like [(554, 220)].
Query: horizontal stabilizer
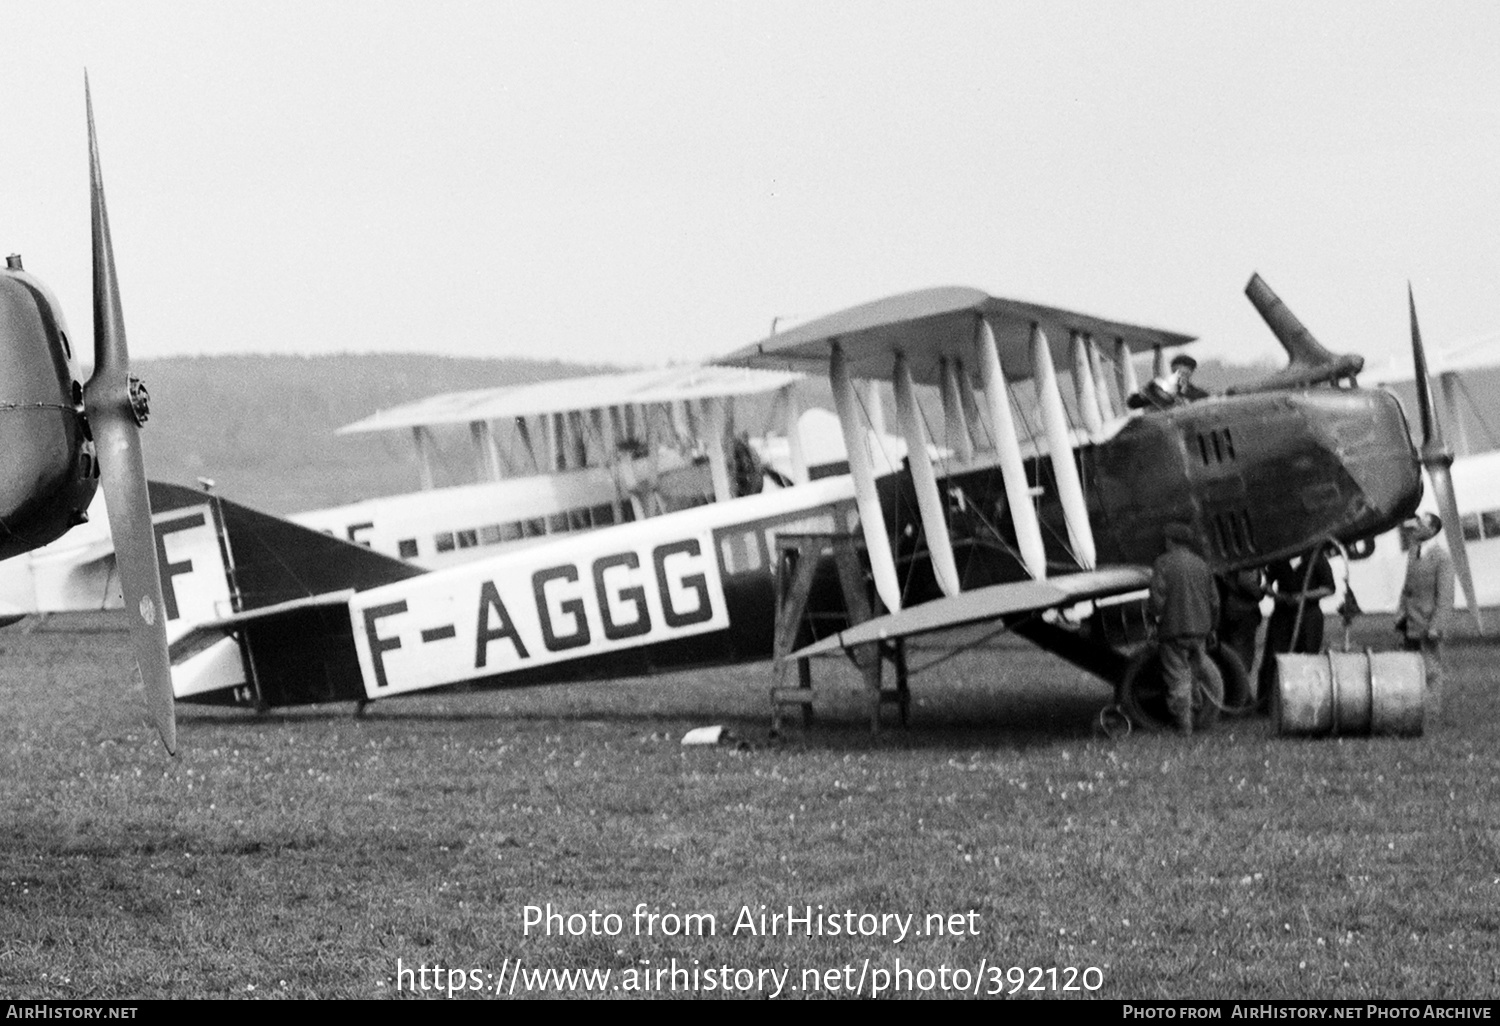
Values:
[(988, 603), (201, 635), (935, 324)]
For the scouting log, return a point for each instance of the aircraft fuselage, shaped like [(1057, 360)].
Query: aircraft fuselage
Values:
[(49, 473)]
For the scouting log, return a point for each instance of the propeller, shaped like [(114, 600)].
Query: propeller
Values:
[(1437, 458), (117, 406)]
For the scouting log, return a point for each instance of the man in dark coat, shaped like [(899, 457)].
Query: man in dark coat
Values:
[(1184, 604), (1297, 587), (1240, 594)]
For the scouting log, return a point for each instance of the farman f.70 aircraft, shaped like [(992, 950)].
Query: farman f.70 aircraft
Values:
[(1005, 523), (60, 437)]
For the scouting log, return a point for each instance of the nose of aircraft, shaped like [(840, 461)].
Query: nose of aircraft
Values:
[(1383, 462)]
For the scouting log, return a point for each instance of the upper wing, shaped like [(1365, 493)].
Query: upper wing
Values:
[(935, 324), (568, 395), (987, 603)]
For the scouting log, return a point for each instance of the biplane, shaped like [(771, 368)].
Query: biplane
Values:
[(61, 437), (1032, 507)]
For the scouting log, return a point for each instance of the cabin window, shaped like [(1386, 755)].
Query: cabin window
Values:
[(1229, 443), (578, 519), (444, 541), (557, 523), (512, 531), (603, 515), (489, 534), (468, 539), (406, 548), (535, 528), (627, 513), (1203, 449)]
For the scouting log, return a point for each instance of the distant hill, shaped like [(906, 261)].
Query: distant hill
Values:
[(262, 427)]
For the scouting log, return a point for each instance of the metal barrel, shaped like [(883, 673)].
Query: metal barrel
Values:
[(1350, 693)]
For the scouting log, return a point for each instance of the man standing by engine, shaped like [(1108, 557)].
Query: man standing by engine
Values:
[(1296, 625), (1426, 603), (1184, 605)]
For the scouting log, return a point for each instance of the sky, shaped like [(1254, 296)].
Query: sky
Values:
[(640, 183)]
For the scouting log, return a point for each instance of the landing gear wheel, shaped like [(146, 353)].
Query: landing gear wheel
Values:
[(1143, 695), (1237, 693)]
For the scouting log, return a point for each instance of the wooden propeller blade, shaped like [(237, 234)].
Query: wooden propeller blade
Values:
[(1437, 458), (112, 416), (1432, 431), (1453, 528)]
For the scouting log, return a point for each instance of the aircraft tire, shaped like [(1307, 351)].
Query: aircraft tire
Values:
[(1143, 695), (1237, 693)]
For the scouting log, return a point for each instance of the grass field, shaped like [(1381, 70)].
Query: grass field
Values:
[(304, 854)]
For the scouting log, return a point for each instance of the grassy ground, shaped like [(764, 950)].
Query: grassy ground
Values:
[(305, 854)]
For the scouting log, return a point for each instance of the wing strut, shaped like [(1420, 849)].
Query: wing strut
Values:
[(1012, 469), (856, 444), (970, 406), (715, 422), (929, 501), (1101, 380), (422, 439), (795, 452), (955, 422), (1125, 370), (1085, 386), (1060, 447), (486, 451)]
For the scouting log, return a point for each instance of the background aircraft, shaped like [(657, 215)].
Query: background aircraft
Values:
[(558, 457), (60, 437)]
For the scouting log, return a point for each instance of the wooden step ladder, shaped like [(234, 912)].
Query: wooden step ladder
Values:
[(797, 559)]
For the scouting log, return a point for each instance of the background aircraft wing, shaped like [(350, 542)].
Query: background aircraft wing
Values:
[(567, 395), (987, 603)]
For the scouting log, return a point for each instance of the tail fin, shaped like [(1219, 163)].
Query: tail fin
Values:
[(219, 559)]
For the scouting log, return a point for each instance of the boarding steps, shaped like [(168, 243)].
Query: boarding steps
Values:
[(797, 559)]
